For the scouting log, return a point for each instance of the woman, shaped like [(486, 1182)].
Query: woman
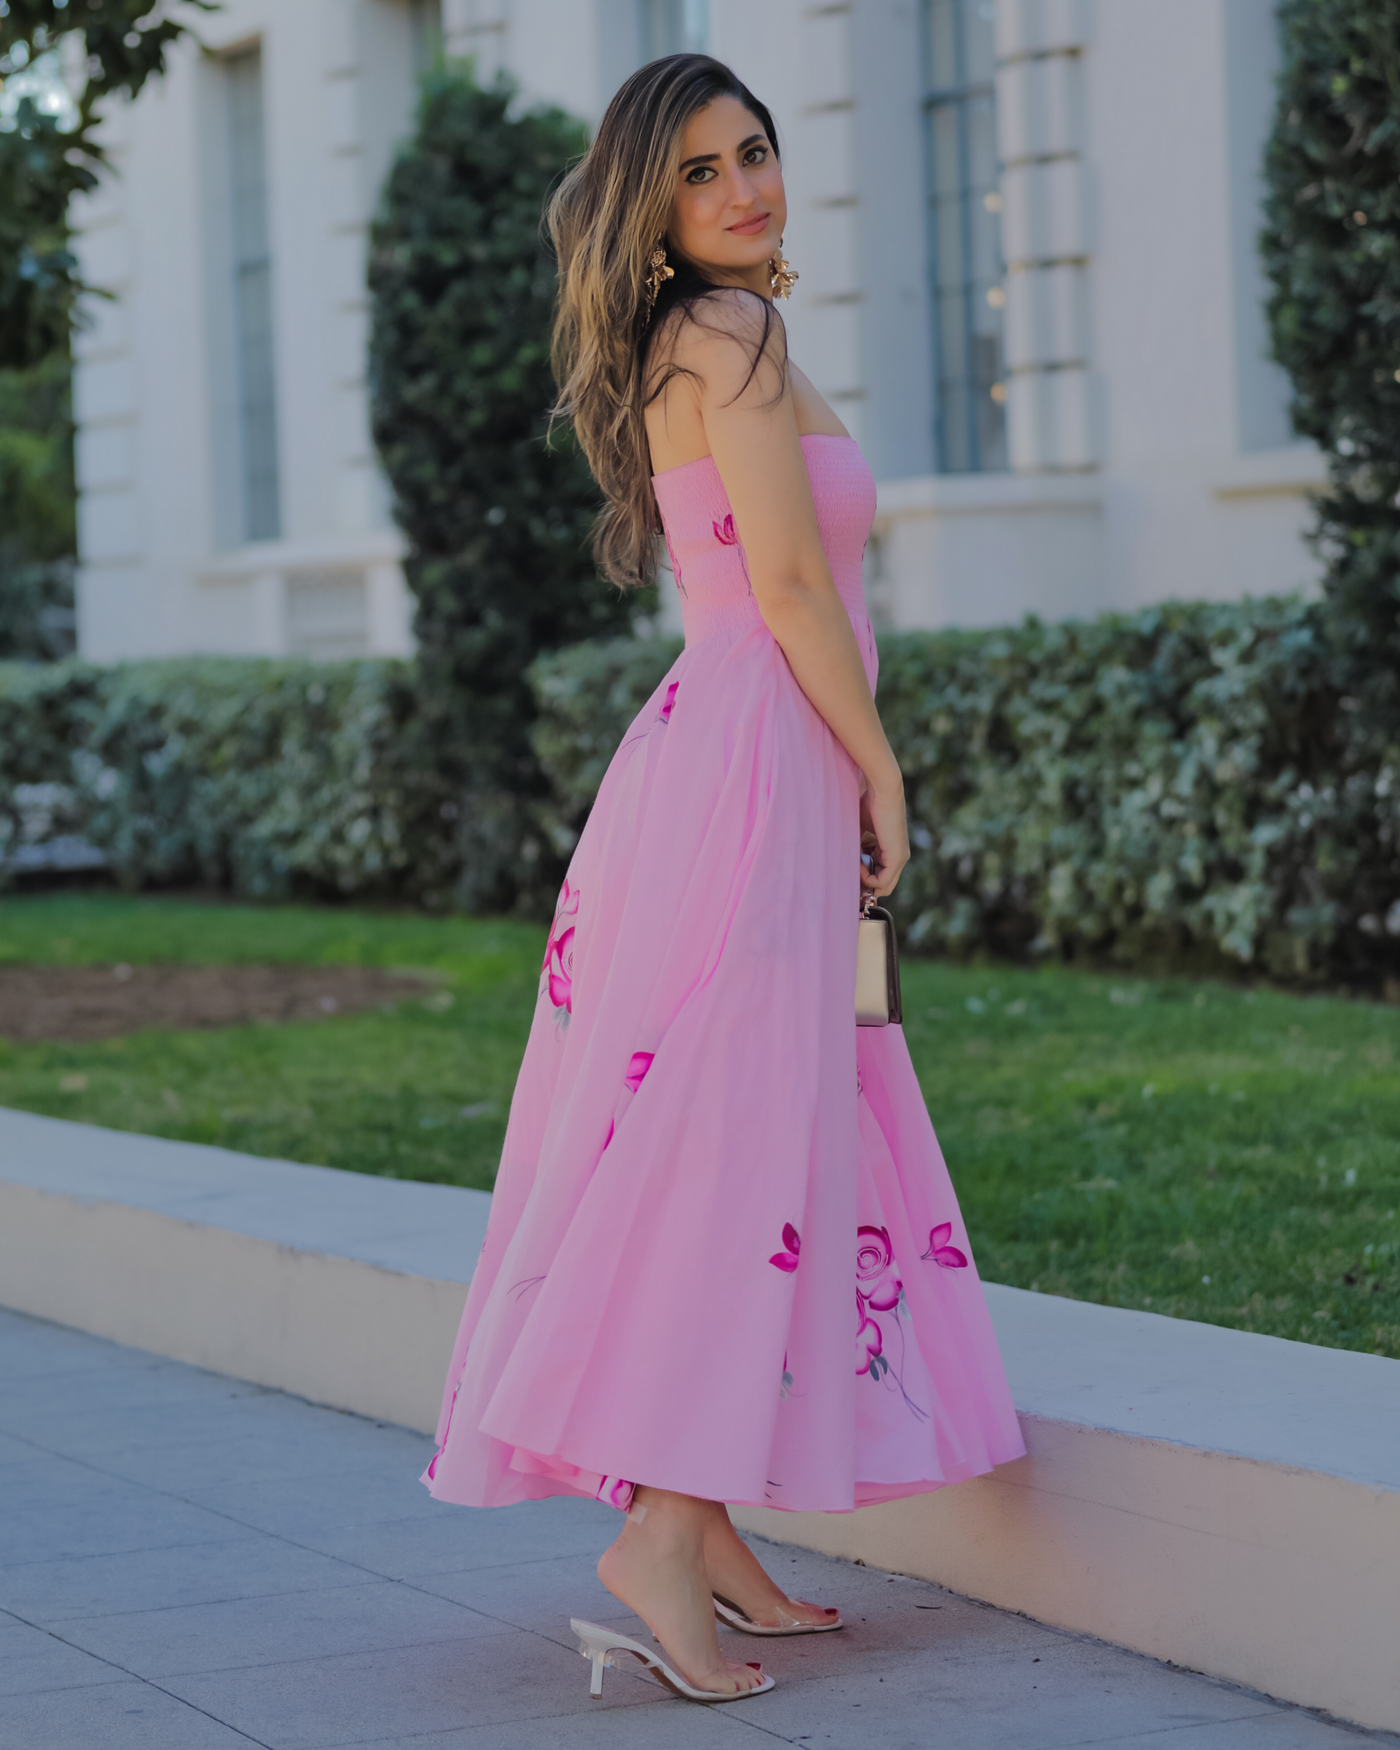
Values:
[(707, 1171)]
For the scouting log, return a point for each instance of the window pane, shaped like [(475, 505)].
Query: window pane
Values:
[(943, 57), (252, 300), (980, 119), (964, 234), (991, 414), (945, 157), (979, 52), (671, 27), (957, 454)]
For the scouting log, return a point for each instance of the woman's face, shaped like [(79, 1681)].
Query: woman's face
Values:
[(730, 208)]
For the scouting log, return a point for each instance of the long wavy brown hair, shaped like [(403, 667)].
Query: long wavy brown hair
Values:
[(605, 220)]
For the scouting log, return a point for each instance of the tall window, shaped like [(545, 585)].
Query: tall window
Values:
[(669, 27), (964, 234), (252, 299)]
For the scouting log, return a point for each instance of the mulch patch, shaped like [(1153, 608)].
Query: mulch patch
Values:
[(77, 1004)]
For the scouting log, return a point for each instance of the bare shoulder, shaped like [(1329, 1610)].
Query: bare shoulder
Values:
[(727, 332), (731, 313)]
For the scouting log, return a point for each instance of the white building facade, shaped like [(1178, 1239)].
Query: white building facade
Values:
[(1029, 286)]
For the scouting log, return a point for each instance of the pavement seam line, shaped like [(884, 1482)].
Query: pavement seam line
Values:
[(135, 1676), (1329, 1720), (293, 1543), (214, 1603)]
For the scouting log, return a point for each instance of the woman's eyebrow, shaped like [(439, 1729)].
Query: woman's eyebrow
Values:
[(710, 157)]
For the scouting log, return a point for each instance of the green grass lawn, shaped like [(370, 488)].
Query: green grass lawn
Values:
[(378, 1092), (1207, 1151)]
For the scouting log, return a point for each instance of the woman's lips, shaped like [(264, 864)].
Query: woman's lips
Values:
[(750, 226)]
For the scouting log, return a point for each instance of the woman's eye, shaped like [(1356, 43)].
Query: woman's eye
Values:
[(755, 155), (701, 173)]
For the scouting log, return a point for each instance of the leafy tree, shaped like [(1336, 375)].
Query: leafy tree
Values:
[(44, 161), (37, 534), (497, 517), (43, 164), (1332, 251)]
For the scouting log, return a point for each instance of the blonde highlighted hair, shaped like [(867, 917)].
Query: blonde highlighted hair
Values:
[(605, 220)]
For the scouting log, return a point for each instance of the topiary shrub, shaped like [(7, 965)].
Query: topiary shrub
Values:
[(1331, 248), (497, 518)]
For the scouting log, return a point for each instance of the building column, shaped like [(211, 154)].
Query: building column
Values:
[(824, 315), (112, 603), (389, 610), (267, 615)]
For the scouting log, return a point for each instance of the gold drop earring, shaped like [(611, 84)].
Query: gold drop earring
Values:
[(659, 271), (781, 277)]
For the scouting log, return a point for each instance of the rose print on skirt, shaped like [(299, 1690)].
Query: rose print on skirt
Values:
[(787, 1260), (869, 1340), (874, 1264), (880, 1298), (668, 704), (558, 968), (874, 1254), (638, 1065), (941, 1252)]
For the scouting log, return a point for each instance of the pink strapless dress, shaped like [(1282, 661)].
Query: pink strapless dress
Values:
[(724, 1253)]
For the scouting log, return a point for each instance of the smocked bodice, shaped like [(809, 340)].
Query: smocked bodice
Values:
[(705, 551)]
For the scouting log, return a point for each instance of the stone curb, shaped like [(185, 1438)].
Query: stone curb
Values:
[(1222, 1501)]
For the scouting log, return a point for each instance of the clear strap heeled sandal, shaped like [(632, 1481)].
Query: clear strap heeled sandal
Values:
[(730, 1613), (601, 1645)]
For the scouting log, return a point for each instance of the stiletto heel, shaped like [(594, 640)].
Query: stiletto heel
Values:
[(598, 1645), (730, 1613)]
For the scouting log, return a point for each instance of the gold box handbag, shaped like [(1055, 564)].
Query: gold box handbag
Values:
[(877, 967)]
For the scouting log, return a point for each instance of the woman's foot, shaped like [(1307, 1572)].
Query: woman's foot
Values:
[(657, 1568), (738, 1578)]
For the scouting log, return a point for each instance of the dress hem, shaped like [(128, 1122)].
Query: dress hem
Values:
[(540, 1485)]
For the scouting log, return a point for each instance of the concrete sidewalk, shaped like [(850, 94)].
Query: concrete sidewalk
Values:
[(188, 1561)]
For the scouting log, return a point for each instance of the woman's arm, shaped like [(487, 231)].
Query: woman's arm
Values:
[(751, 427)]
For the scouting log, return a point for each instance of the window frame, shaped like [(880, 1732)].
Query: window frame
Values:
[(960, 97)]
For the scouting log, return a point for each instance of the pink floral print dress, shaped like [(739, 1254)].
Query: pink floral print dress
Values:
[(724, 1254)]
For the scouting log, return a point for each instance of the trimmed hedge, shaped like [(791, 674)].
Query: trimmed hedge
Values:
[(1184, 784), (1187, 784), (264, 778)]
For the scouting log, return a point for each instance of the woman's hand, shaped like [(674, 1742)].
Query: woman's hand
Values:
[(884, 837)]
